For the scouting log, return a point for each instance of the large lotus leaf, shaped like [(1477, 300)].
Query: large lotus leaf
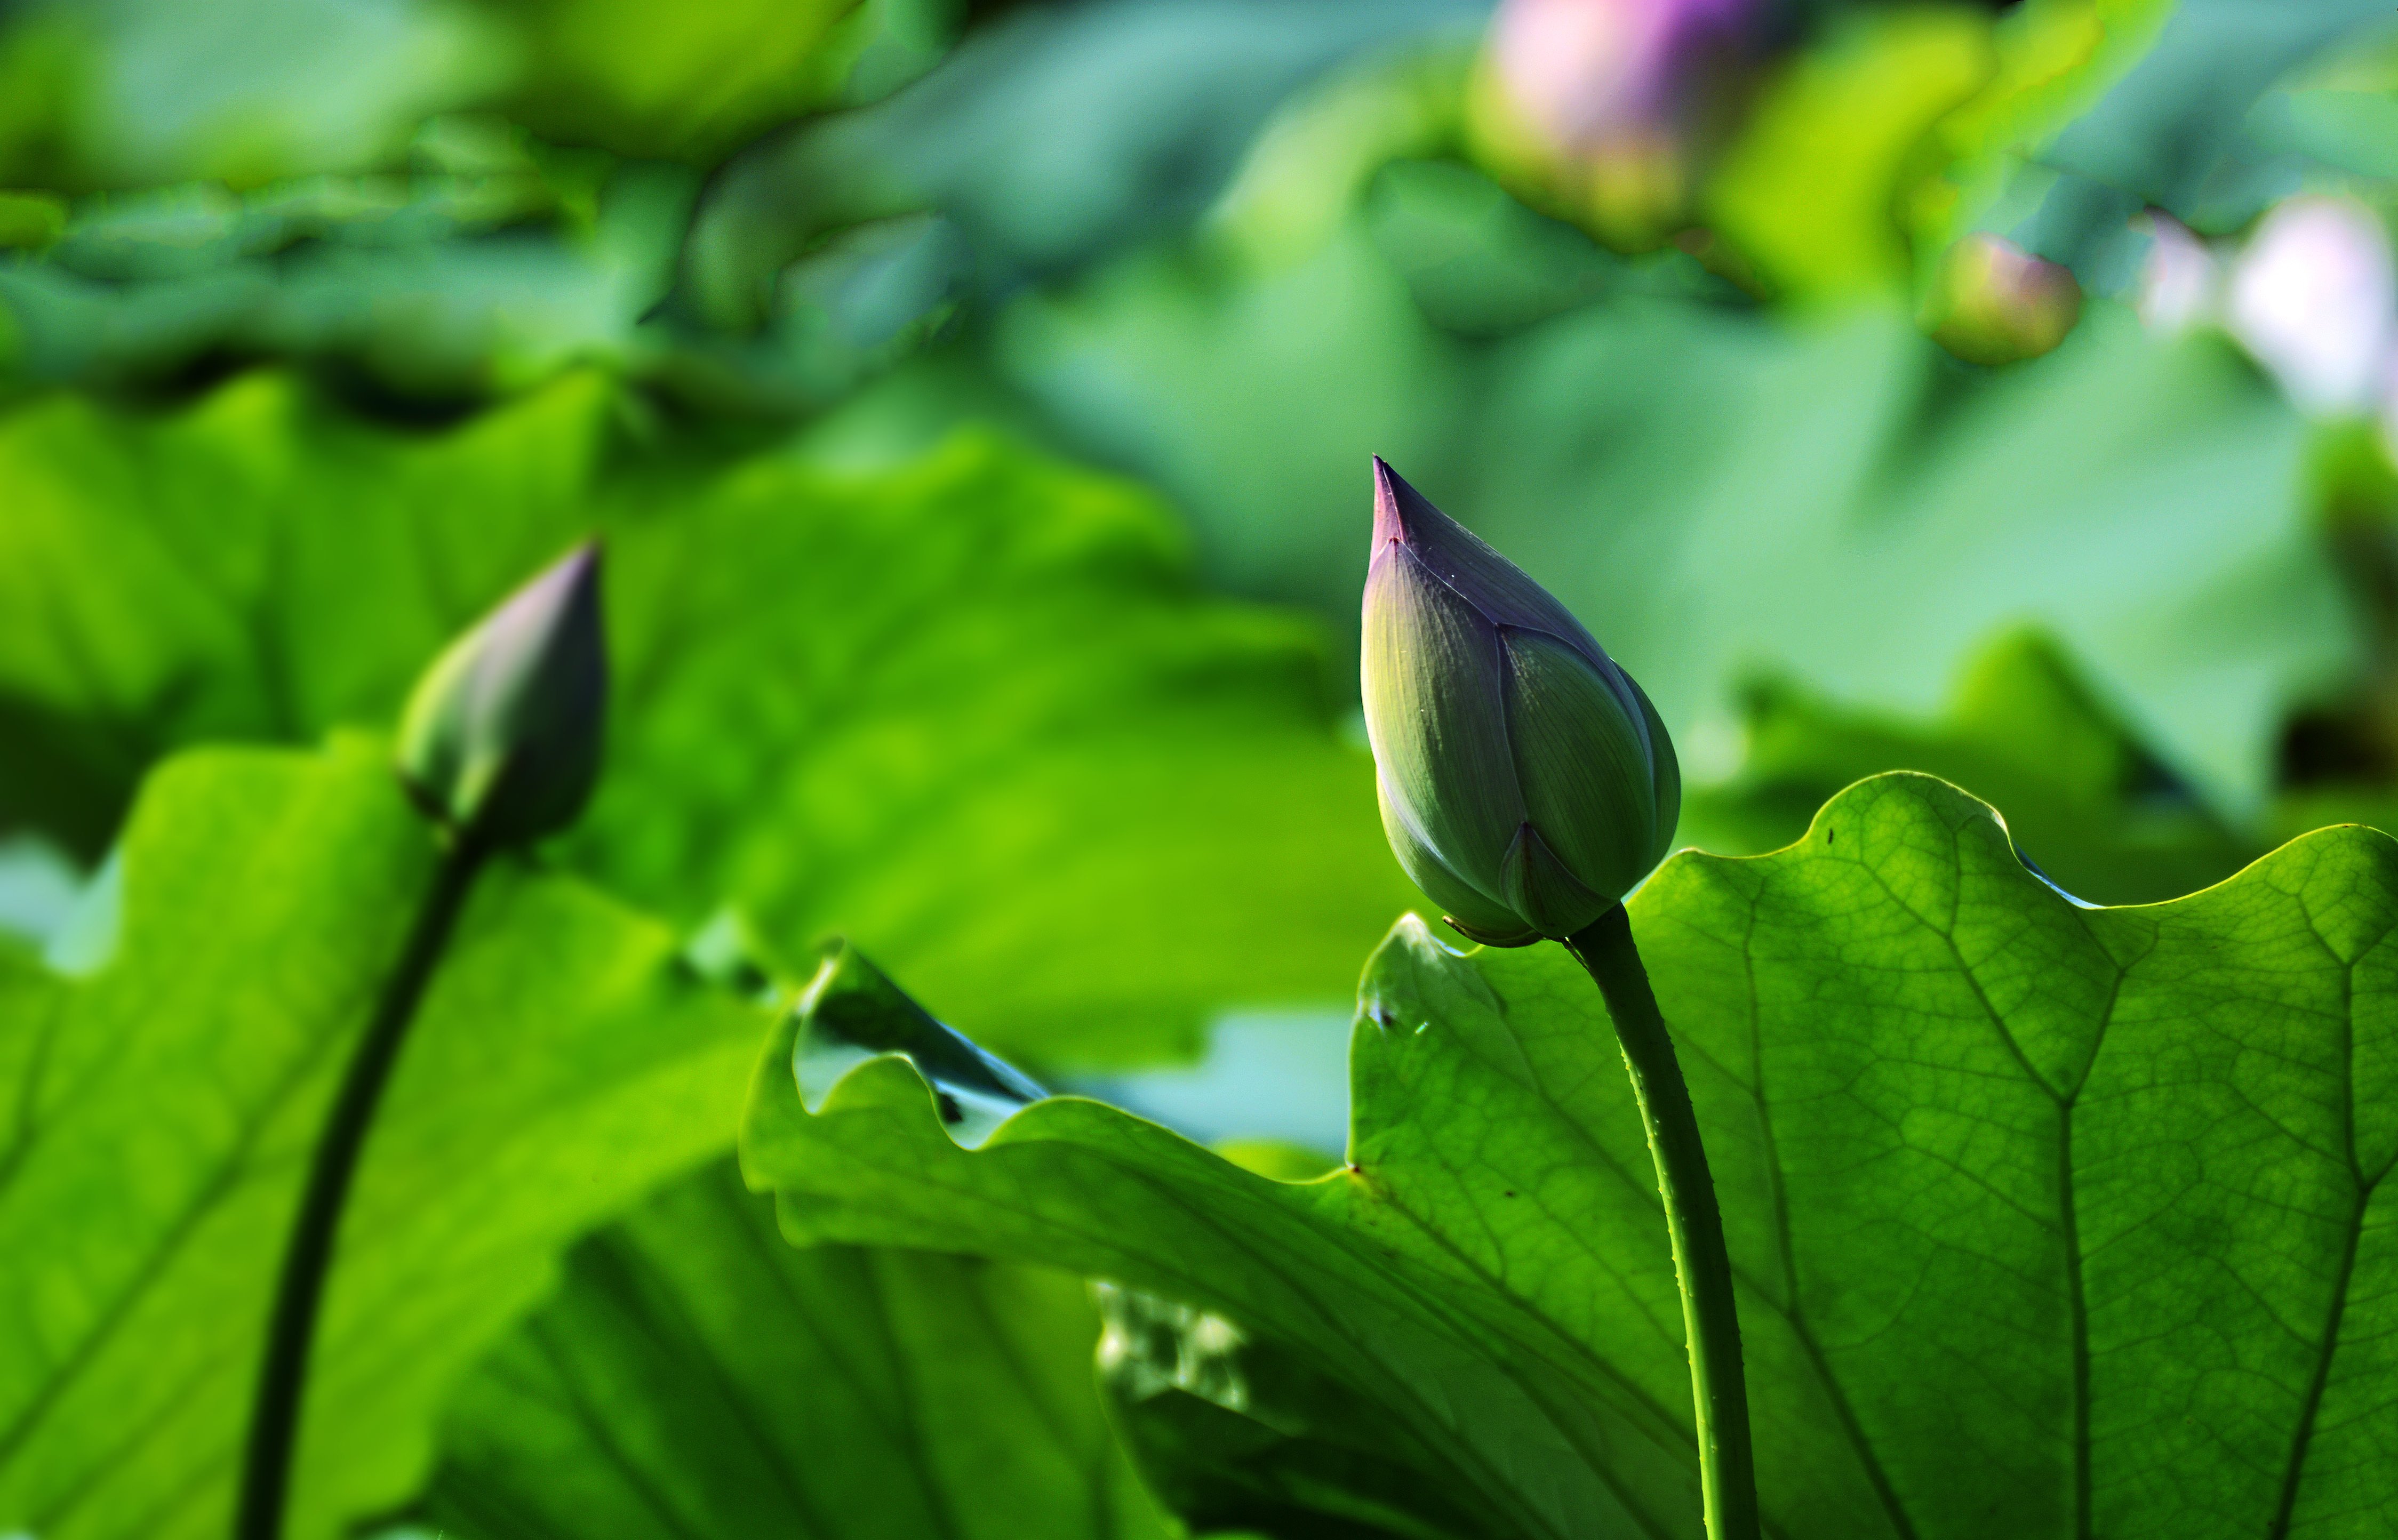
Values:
[(970, 710), (696, 1379), (2047, 1219), (157, 1115)]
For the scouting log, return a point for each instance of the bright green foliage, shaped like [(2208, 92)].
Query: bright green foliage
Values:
[(687, 81), (697, 1379), (2024, 733), (969, 710), (156, 1118), (1807, 191), (2048, 1219), (146, 91)]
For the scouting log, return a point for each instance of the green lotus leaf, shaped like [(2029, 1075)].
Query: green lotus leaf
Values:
[(2047, 1219), (158, 1109)]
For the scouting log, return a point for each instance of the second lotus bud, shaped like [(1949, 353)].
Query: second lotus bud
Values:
[(501, 737), (1526, 782)]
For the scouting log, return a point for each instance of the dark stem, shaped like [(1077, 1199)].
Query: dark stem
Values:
[(282, 1379), (1703, 1267)]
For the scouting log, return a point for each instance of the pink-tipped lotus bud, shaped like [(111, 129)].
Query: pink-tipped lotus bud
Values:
[(1588, 71), (1526, 782), (501, 741), (1603, 110)]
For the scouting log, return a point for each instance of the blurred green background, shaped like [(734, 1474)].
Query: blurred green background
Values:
[(976, 400)]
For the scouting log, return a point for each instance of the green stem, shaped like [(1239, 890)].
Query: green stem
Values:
[(1710, 1318), (307, 1259)]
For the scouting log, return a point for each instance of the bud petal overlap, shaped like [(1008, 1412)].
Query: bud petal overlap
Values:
[(1524, 779), (500, 740)]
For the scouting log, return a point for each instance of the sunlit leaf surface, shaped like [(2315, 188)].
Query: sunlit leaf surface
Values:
[(156, 1116), (2048, 1220)]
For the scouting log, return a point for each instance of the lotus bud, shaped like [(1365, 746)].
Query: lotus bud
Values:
[(1526, 782), (1997, 303), (1603, 110), (500, 740)]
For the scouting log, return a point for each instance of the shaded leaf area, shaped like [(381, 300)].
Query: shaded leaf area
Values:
[(696, 1377), (157, 1119), (2079, 795), (971, 710), (2046, 1219), (1239, 1434)]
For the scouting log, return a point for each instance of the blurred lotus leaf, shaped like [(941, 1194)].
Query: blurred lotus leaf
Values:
[(162, 1102), (2099, 109), (1051, 138), (137, 93), (2003, 1177), (688, 81), (1808, 194), (134, 93), (970, 709)]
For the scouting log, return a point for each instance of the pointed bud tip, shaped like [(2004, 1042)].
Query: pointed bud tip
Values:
[(1399, 509)]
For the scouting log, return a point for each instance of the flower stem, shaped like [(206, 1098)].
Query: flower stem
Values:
[(308, 1256), (1710, 1318)]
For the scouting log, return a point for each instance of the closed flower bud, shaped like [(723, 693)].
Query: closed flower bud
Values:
[(500, 740), (1526, 782), (1997, 303)]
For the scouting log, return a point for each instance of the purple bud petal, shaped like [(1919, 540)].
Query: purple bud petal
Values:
[(1437, 717)]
